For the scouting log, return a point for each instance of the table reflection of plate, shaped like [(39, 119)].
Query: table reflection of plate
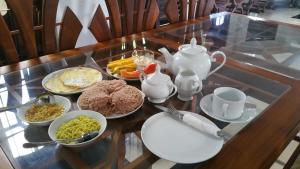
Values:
[(119, 77), (116, 116), (173, 140), (71, 80)]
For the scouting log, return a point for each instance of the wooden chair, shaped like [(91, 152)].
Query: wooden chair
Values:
[(125, 17), (258, 6), (237, 6), (70, 28), (221, 5), (182, 10)]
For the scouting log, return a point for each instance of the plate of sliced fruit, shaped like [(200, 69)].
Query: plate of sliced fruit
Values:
[(130, 68)]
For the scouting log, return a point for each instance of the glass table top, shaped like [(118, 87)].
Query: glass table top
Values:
[(271, 46), (121, 143)]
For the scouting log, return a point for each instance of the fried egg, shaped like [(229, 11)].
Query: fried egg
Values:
[(72, 80), (80, 77)]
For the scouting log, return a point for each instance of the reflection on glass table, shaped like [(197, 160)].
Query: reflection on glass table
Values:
[(271, 46), (121, 143)]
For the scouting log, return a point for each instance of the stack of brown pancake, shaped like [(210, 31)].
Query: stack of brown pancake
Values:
[(111, 97)]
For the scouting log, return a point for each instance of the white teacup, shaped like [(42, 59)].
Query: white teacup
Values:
[(228, 102)]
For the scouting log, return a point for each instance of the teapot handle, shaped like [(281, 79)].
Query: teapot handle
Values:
[(221, 65)]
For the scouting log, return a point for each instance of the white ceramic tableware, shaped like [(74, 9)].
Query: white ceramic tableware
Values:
[(53, 74), (158, 87), (188, 84), (248, 114), (178, 142), (142, 58), (194, 57), (228, 102), (57, 99), (71, 115)]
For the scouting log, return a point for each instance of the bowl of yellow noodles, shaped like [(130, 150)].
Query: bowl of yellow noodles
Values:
[(44, 114), (75, 124)]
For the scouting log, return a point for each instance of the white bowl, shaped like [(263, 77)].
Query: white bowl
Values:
[(71, 115), (57, 99)]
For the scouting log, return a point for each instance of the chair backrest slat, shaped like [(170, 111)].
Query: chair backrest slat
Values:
[(131, 16), (152, 15), (115, 15), (7, 43), (195, 8), (129, 11), (24, 17), (172, 11), (67, 38), (99, 26), (201, 7), (208, 7), (141, 4), (49, 23), (192, 9), (183, 11)]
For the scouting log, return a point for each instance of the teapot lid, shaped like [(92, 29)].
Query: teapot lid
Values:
[(157, 77), (192, 48)]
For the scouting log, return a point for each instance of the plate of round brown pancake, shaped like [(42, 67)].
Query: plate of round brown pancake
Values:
[(112, 98)]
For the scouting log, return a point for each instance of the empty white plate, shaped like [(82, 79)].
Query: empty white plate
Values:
[(175, 141)]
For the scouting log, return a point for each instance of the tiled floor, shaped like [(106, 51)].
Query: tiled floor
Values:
[(285, 155)]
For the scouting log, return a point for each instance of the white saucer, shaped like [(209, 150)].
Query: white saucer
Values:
[(175, 141), (206, 106)]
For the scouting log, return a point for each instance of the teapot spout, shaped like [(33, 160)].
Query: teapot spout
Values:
[(167, 55)]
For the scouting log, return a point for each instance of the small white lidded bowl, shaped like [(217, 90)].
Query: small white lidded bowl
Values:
[(65, 102), (72, 115)]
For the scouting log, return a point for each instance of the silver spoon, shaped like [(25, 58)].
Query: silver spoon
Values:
[(83, 138), (40, 99)]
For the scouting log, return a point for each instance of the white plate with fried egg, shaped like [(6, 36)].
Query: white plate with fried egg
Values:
[(71, 80)]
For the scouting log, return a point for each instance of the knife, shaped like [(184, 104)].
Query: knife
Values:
[(196, 123)]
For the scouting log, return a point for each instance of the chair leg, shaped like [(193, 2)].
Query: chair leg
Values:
[(233, 9)]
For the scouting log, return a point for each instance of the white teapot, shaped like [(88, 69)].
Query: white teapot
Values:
[(194, 57), (158, 87)]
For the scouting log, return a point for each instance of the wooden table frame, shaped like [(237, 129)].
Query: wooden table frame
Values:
[(257, 146)]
